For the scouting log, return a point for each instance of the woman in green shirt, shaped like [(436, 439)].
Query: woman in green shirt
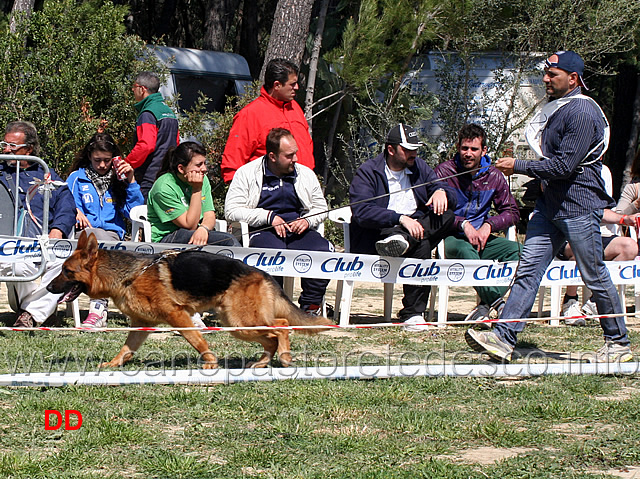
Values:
[(180, 205)]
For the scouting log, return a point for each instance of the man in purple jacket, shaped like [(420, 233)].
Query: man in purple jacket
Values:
[(482, 187), (399, 208)]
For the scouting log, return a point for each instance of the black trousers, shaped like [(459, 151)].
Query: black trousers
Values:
[(436, 228)]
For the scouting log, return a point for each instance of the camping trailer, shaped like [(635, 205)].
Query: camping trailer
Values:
[(216, 74)]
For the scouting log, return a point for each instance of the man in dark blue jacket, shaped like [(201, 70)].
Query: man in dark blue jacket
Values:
[(482, 188), (34, 302), (400, 220)]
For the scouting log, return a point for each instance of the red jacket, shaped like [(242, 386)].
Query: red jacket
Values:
[(251, 125)]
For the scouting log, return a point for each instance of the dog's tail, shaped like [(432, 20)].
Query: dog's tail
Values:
[(297, 317)]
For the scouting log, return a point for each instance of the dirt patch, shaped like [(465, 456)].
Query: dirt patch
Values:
[(621, 394), (582, 431), (628, 472), (486, 455)]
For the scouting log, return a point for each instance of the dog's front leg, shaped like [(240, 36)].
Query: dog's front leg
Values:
[(131, 345), (197, 341)]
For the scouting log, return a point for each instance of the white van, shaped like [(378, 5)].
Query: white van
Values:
[(216, 74)]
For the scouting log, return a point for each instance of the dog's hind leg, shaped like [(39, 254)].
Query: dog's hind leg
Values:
[(270, 344), (284, 346), (131, 345), (273, 341)]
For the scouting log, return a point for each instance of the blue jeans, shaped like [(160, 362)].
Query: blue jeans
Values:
[(544, 239), (216, 238)]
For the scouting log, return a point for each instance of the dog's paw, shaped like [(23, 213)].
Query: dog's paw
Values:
[(110, 364), (286, 360), (210, 365), (257, 364)]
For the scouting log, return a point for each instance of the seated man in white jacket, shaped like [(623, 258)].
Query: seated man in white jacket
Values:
[(283, 204)]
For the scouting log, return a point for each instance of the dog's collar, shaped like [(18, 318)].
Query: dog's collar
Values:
[(161, 256)]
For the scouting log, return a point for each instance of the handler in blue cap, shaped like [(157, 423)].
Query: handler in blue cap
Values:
[(570, 135)]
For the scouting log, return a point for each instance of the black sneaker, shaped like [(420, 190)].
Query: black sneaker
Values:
[(395, 245), (312, 309)]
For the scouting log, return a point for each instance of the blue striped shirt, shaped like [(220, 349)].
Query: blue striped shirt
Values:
[(570, 190)]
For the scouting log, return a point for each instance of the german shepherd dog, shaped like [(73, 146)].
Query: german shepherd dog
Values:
[(169, 288)]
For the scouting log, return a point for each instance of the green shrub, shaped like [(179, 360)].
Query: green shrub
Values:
[(69, 69)]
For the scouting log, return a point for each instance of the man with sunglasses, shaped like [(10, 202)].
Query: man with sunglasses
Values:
[(33, 302), (156, 130)]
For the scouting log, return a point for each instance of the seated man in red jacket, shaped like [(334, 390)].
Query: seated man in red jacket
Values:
[(274, 108)]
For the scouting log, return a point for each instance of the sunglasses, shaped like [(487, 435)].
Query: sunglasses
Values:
[(12, 146)]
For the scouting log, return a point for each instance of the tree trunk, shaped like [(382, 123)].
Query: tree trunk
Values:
[(313, 63), (289, 32), (20, 8), (249, 36), (220, 14), (622, 119), (632, 145)]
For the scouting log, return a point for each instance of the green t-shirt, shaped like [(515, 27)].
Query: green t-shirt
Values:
[(169, 198)]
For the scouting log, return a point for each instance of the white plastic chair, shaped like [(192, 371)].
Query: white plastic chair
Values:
[(344, 288), (140, 223), (443, 290), (288, 282), (140, 226)]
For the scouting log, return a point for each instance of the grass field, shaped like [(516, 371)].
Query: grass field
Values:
[(544, 427)]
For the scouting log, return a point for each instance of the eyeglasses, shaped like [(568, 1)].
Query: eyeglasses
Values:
[(12, 146), (135, 85)]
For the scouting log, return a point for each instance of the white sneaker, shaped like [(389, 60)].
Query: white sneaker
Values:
[(572, 313), (394, 245), (196, 319), (613, 353), (414, 323), (97, 317), (589, 308)]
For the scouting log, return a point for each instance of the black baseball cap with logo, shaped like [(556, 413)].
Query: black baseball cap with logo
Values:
[(405, 136)]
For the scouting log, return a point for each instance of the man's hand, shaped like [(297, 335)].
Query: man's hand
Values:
[(438, 201), (477, 237), (299, 226), (414, 228), (506, 165), (280, 226)]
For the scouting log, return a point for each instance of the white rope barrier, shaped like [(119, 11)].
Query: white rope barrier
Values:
[(327, 327), (231, 376)]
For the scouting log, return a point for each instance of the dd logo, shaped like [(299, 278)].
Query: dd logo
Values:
[(67, 416)]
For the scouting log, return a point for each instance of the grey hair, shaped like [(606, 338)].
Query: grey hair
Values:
[(30, 133), (149, 80)]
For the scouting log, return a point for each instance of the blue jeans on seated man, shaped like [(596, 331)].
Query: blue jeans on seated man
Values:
[(216, 238), (313, 289), (544, 239)]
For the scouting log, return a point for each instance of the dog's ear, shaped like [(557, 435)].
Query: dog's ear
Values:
[(91, 244), (82, 240)]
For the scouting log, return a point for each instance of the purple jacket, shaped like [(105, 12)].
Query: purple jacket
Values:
[(476, 194), (369, 217)]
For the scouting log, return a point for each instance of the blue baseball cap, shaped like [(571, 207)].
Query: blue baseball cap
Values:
[(568, 61)]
